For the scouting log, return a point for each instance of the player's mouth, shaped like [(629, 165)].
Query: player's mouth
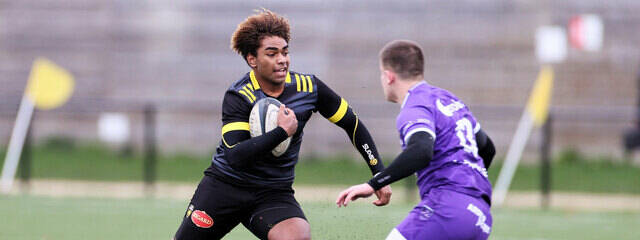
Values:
[(280, 72)]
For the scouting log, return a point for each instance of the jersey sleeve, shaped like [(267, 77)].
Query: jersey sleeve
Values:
[(330, 105), (337, 110), (415, 118), (235, 119)]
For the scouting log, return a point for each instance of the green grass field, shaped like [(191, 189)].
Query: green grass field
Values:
[(43, 218), (62, 160)]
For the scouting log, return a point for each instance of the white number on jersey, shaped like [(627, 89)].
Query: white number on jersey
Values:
[(464, 131)]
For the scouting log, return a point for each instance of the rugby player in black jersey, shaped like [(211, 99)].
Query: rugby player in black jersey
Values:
[(246, 183)]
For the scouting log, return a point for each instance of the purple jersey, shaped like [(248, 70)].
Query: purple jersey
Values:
[(455, 165)]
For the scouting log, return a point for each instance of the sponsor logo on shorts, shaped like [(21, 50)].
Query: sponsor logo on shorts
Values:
[(481, 223), (425, 212), (201, 219)]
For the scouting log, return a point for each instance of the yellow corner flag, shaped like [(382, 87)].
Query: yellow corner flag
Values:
[(49, 85), (540, 99), (534, 115)]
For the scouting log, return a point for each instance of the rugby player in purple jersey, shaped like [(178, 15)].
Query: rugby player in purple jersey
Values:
[(443, 144)]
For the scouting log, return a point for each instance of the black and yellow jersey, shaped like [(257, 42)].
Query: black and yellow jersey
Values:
[(303, 93)]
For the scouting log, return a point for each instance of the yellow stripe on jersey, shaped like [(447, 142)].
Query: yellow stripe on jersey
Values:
[(226, 144), (250, 86), (246, 95), (353, 137), (234, 126), (304, 84), (254, 81), (246, 89), (342, 110), (310, 84), (288, 79), (298, 82)]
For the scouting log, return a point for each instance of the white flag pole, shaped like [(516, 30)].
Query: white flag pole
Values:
[(20, 128), (514, 154)]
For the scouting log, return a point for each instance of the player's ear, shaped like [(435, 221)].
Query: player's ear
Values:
[(391, 77), (252, 60)]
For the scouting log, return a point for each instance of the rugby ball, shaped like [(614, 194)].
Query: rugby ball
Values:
[(264, 118)]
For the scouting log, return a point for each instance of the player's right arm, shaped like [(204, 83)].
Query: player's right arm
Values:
[(240, 149), (417, 155), (416, 126)]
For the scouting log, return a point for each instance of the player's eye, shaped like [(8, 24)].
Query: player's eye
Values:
[(285, 53)]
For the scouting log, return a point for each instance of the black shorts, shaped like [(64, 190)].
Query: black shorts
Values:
[(218, 206)]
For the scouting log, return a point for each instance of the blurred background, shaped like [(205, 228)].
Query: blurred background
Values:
[(175, 55), (161, 67)]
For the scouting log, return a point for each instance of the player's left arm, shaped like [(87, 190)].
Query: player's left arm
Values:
[(486, 150), (338, 111)]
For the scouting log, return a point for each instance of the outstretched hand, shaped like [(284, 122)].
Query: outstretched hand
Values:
[(384, 196), (353, 193)]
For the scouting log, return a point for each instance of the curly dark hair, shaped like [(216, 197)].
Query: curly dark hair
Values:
[(246, 39)]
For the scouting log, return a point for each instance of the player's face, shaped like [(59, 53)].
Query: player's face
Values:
[(384, 81), (272, 62)]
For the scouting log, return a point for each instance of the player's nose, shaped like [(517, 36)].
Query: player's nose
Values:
[(281, 59)]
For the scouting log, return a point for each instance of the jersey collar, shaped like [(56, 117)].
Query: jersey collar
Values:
[(254, 80), (409, 92)]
